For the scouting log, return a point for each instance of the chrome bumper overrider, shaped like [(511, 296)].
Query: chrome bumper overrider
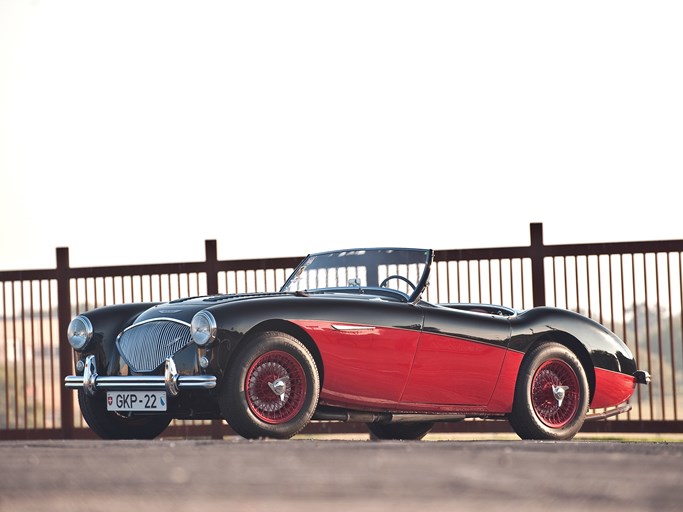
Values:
[(171, 381)]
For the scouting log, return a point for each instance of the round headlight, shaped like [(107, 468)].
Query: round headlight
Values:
[(203, 328), (79, 332)]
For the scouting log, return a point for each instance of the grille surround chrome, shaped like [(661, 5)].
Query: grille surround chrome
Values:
[(146, 345)]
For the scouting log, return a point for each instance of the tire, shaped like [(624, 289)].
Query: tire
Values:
[(399, 431), (551, 395), (111, 425), (270, 363)]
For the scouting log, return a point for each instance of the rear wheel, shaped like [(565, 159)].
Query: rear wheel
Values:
[(551, 396), (399, 431), (271, 388), (112, 425)]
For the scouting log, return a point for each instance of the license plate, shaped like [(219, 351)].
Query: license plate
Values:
[(136, 401)]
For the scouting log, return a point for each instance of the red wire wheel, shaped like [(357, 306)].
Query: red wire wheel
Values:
[(275, 387), (555, 393)]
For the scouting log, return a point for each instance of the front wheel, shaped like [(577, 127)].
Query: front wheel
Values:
[(112, 425), (271, 388), (551, 396)]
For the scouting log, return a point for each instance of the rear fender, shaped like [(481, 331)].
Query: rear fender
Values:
[(579, 349)]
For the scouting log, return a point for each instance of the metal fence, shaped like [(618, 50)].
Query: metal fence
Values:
[(633, 288)]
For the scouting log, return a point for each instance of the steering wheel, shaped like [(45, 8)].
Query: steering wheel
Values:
[(383, 284)]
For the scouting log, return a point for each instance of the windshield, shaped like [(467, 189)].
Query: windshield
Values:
[(403, 270)]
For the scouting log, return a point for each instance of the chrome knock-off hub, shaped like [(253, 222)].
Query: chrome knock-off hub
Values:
[(278, 387), (558, 393)]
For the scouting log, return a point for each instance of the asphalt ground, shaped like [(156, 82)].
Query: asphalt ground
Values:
[(341, 474)]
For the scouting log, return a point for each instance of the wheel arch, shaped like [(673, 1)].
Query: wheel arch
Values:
[(293, 330), (577, 348)]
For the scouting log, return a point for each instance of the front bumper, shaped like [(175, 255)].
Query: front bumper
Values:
[(171, 381)]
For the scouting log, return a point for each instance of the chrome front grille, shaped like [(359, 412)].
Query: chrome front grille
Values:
[(146, 345)]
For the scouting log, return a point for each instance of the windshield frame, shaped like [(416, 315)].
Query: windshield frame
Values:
[(376, 261)]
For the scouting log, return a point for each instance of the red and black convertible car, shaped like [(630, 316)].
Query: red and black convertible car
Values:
[(348, 338)]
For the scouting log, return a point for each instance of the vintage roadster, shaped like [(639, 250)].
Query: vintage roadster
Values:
[(347, 338)]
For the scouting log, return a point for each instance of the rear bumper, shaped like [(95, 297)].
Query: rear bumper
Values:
[(171, 381)]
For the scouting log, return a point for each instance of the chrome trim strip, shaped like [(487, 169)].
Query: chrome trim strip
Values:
[(342, 327), (159, 319)]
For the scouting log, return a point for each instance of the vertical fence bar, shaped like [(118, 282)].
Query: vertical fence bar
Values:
[(24, 351), (211, 258), (65, 358), (671, 337), (6, 373), (680, 288), (537, 270), (31, 334), (659, 338), (624, 334), (15, 353), (43, 351)]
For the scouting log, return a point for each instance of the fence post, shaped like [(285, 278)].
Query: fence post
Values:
[(537, 267), (211, 258), (65, 351)]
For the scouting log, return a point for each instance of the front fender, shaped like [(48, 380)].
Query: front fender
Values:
[(108, 322)]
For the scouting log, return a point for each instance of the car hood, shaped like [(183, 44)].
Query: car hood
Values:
[(184, 309)]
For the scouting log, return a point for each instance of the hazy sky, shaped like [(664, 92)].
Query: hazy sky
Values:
[(132, 131)]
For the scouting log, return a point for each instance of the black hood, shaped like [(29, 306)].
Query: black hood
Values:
[(185, 309)]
